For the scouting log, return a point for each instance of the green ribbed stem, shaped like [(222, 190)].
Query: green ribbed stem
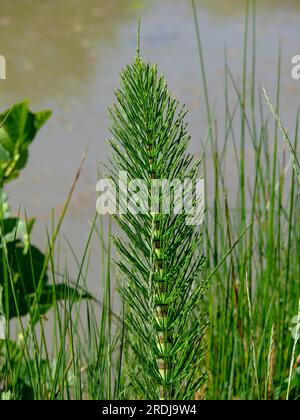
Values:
[(163, 335)]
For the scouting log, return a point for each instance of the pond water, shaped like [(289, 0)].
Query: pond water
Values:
[(66, 55)]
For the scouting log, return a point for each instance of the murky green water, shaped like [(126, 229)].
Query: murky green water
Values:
[(66, 55)]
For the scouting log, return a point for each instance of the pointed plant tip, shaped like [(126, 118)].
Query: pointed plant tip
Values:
[(138, 48)]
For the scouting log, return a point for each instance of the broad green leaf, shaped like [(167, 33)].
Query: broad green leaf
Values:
[(24, 267), (13, 229), (4, 205), (18, 130)]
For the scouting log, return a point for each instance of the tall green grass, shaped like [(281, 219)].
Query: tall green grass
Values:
[(255, 293), (72, 352)]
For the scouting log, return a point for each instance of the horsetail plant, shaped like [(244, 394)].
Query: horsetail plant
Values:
[(161, 262)]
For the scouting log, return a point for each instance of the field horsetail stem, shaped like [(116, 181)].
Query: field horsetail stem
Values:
[(161, 263)]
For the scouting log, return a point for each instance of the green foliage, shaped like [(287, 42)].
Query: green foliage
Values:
[(295, 160), (254, 293), (77, 360), (18, 128), (26, 371), (24, 267), (160, 261), (293, 384)]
